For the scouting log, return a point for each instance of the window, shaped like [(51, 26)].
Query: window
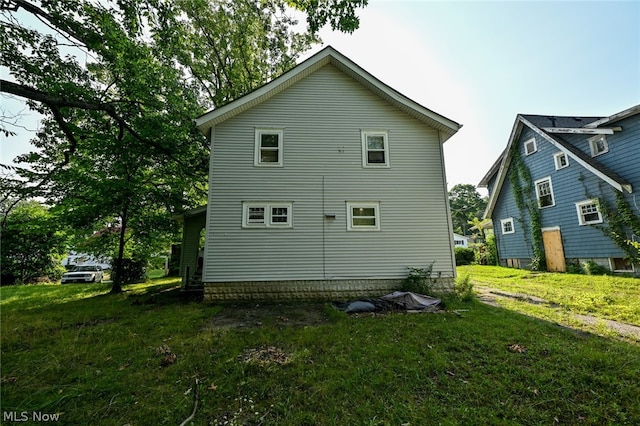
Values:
[(544, 192), (375, 149), (507, 226), (619, 264), (588, 212), (561, 160), (268, 150), (530, 146), (363, 216), (598, 145), (266, 215)]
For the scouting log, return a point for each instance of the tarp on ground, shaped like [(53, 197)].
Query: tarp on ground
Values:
[(412, 301)]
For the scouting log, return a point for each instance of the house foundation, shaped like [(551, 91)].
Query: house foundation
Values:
[(309, 289)]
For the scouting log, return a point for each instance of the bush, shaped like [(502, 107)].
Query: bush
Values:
[(592, 268), (133, 271), (419, 280), (463, 288), (464, 256), (492, 250)]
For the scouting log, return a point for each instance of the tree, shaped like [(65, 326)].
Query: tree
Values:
[(465, 204), (32, 245), (118, 146)]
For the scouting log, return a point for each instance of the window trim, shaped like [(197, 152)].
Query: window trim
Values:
[(363, 204), (535, 146), (365, 149), (612, 265), (593, 143), (581, 220), (553, 198), (258, 147), (268, 214), (556, 159), (508, 220)]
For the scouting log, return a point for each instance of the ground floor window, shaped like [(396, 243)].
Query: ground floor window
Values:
[(588, 212), (507, 225), (257, 214), (363, 216)]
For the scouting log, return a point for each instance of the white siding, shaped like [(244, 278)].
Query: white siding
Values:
[(322, 117)]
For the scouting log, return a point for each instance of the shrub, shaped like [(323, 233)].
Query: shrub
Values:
[(464, 256), (419, 280), (492, 250), (463, 288), (133, 271), (592, 268)]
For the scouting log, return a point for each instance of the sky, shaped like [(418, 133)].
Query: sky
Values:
[(480, 64)]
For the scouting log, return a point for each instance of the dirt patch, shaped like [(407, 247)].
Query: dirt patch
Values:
[(265, 355), (249, 315)]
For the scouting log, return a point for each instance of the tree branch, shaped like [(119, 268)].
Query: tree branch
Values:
[(57, 24)]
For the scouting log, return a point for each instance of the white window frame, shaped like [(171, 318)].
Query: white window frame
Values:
[(365, 148), (612, 266), (506, 221), (593, 145), (526, 144), (553, 198), (257, 159), (581, 214), (268, 207), (363, 205), (556, 158)]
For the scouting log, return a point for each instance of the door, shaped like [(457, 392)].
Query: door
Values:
[(552, 242)]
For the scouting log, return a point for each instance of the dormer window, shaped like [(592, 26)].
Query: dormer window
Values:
[(598, 145), (530, 146), (268, 149)]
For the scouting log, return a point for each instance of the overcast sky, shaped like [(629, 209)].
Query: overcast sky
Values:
[(480, 63)]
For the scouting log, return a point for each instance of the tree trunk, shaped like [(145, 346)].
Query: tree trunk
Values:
[(116, 286)]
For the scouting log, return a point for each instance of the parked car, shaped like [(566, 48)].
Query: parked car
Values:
[(83, 274)]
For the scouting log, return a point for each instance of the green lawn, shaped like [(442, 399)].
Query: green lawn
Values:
[(96, 358), (612, 297)]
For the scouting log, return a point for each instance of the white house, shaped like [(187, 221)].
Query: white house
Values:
[(460, 240), (324, 183)]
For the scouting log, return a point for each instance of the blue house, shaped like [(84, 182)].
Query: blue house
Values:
[(564, 191)]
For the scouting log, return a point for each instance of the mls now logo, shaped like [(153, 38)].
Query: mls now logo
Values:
[(23, 416)]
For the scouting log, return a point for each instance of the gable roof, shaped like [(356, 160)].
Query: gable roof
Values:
[(328, 55), (548, 127)]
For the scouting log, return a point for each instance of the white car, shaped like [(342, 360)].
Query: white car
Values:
[(83, 274)]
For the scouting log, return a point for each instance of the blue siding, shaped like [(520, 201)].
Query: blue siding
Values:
[(571, 185)]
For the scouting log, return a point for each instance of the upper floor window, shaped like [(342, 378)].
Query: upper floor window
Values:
[(507, 226), (268, 150), (588, 212), (530, 146), (261, 214), (375, 149), (561, 160), (598, 145), (544, 192), (363, 216)]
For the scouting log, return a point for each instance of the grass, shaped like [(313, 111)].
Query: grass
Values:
[(611, 297), (133, 358)]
